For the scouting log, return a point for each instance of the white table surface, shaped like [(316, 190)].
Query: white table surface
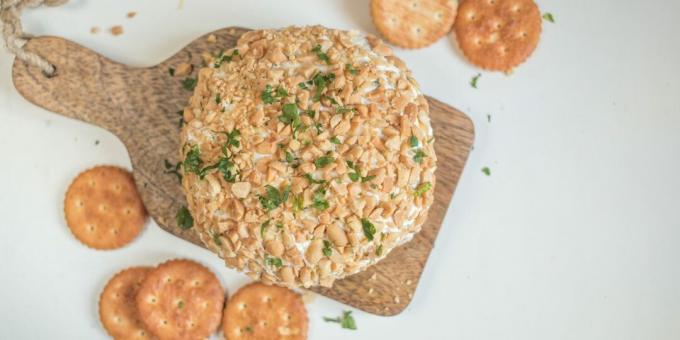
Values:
[(575, 235)]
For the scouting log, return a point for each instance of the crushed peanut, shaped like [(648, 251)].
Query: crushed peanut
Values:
[(306, 153)]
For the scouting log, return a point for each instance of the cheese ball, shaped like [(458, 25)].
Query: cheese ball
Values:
[(307, 155)]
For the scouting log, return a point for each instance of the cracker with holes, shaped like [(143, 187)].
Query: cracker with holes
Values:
[(181, 299), (117, 306), (103, 208), (259, 311), (497, 35), (413, 23)]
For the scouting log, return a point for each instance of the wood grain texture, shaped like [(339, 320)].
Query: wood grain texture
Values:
[(139, 105)]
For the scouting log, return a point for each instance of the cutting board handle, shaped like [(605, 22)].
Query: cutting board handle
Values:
[(86, 85)]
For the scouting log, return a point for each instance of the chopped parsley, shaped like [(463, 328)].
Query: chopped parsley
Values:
[(335, 140), (327, 248), (192, 161), (181, 117), (486, 171), (184, 219), (349, 68), (171, 71), (218, 99), (216, 239), (319, 201), (310, 113), (189, 84), (369, 228), (232, 138), (273, 262), (291, 159), (413, 142), (323, 161), (379, 250), (419, 156), (291, 116), (269, 95), (263, 227), (346, 321), (173, 169), (474, 80), (548, 17), (312, 180), (298, 203), (273, 198), (249, 329), (422, 188), (323, 56), (321, 81), (221, 58), (356, 176), (180, 304), (344, 109)]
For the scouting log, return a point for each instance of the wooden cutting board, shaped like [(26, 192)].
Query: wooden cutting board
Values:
[(140, 105)]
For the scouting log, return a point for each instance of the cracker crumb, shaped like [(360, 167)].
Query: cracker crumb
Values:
[(374, 276), (408, 282), (95, 30), (410, 295), (116, 30), (308, 297), (212, 39), (396, 299), (370, 291), (131, 15)]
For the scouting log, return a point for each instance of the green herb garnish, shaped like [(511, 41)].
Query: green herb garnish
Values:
[(312, 180), (327, 250), (323, 56), (184, 219), (171, 71), (486, 171), (379, 250), (319, 201), (548, 17), (369, 228), (192, 161), (216, 239), (474, 80), (335, 140), (180, 304), (323, 161), (221, 58), (273, 261), (413, 141), (298, 203), (321, 81), (349, 68), (291, 116), (263, 227), (218, 99), (346, 320), (344, 109), (248, 329), (419, 156), (181, 117), (422, 188), (189, 84), (273, 198)]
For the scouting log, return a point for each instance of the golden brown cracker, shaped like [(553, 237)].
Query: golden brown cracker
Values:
[(259, 311), (497, 35), (413, 23), (103, 208), (118, 308), (181, 299)]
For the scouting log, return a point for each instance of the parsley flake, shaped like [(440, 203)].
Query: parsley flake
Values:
[(221, 58), (291, 116), (486, 171), (323, 56), (379, 250), (184, 219), (192, 161), (349, 68), (548, 17), (413, 142), (319, 201), (369, 228), (335, 140), (419, 156), (180, 304), (171, 71), (189, 83), (263, 227), (327, 250), (312, 180), (422, 188), (323, 161), (273, 261), (273, 198), (346, 321), (216, 239), (474, 80)]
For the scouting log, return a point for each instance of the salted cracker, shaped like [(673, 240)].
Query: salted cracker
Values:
[(103, 208), (117, 306), (259, 311), (413, 23), (181, 299), (497, 35)]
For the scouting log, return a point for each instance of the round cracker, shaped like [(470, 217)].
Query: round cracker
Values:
[(413, 23), (103, 208), (181, 299), (259, 311), (497, 35), (117, 305)]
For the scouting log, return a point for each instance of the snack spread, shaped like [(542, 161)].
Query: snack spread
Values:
[(307, 154), (413, 24), (259, 311), (180, 299), (117, 306), (497, 35), (103, 209)]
